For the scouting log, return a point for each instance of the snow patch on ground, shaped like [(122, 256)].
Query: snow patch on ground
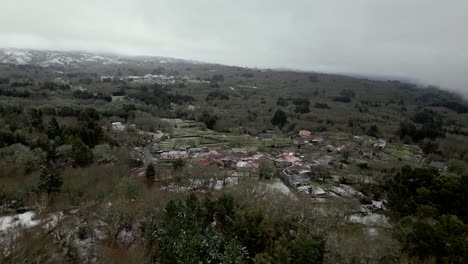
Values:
[(346, 191), (370, 220), (279, 187), (24, 220), (17, 57)]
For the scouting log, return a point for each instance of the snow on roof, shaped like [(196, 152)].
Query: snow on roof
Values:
[(317, 190), (214, 153), (291, 158), (176, 152), (256, 156), (246, 164), (304, 133), (118, 126)]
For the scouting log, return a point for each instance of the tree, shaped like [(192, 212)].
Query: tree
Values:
[(347, 93), (345, 154), (90, 131), (322, 106), (49, 181), (321, 172), (313, 79), (217, 94), (280, 118), (407, 128), (282, 102), (178, 164), (81, 154), (267, 168), (308, 249), (302, 105), (149, 172), (373, 131), (430, 212), (429, 147), (218, 78), (426, 117), (36, 119), (208, 119), (54, 129)]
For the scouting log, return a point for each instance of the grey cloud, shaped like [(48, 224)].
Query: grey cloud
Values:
[(420, 39)]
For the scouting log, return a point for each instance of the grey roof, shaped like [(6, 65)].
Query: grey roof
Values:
[(437, 164)]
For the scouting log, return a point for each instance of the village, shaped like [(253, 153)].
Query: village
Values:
[(162, 79), (317, 165)]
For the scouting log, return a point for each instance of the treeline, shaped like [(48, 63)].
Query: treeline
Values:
[(431, 214), (88, 128), (455, 106), (158, 96), (52, 86), (219, 231), (429, 126), (89, 95), (217, 94), (14, 93)]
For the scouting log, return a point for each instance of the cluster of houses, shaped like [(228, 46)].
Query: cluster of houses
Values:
[(293, 168), (306, 137), (146, 136), (157, 78), (296, 170), (237, 164)]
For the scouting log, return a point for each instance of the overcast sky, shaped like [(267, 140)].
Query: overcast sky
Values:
[(422, 39)]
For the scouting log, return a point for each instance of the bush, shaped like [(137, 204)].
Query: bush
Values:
[(4, 80), (64, 154), (103, 154), (302, 105), (217, 94), (217, 78), (282, 102), (342, 99), (23, 156), (321, 106), (81, 154)]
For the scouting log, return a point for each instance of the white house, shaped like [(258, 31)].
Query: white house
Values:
[(380, 144), (118, 126), (174, 155)]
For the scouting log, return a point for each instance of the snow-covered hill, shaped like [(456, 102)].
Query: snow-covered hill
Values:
[(74, 59)]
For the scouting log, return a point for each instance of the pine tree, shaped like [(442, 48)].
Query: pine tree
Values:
[(280, 118), (49, 181), (54, 129), (150, 173), (81, 154)]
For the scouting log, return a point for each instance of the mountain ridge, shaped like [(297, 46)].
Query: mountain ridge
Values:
[(50, 58)]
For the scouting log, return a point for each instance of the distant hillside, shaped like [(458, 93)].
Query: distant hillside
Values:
[(75, 59)]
